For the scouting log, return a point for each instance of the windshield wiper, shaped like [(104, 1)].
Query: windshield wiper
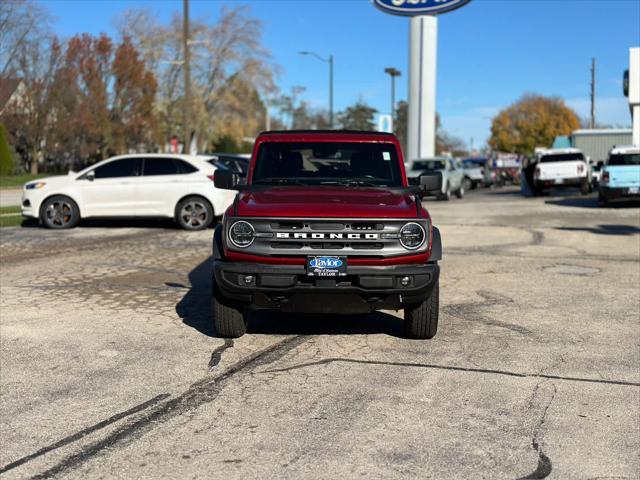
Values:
[(279, 181), (355, 182)]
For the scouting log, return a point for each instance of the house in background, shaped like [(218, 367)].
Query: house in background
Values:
[(10, 90)]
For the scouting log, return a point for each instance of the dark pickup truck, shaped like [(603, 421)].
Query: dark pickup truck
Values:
[(326, 223)]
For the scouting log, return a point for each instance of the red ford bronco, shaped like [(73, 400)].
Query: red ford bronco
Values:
[(326, 223)]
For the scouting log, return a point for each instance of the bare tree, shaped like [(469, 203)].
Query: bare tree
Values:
[(29, 52), (22, 24), (230, 71)]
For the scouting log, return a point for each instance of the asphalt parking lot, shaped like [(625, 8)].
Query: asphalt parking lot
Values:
[(110, 368)]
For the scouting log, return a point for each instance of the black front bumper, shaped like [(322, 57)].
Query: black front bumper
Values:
[(288, 288)]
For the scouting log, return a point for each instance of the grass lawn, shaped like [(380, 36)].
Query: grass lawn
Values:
[(10, 217), (16, 181)]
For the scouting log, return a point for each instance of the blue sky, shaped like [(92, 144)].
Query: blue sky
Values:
[(489, 53)]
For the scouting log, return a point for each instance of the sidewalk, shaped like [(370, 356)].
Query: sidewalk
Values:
[(10, 197)]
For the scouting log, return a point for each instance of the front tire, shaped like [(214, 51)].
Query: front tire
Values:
[(421, 321), (228, 321), (460, 192), (585, 188), (446, 195), (194, 213), (59, 212), (468, 184), (602, 200)]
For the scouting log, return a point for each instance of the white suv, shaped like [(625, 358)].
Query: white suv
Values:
[(561, 167), (141, 185)]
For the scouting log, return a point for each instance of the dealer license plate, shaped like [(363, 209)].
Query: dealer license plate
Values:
[(326, 266)]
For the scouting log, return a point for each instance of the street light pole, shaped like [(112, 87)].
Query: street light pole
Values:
[(330, 91), (330, 62), (393, 73), (187, 77)]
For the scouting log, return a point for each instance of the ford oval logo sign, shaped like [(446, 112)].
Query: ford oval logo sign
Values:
[(325, 262), (419, 7)]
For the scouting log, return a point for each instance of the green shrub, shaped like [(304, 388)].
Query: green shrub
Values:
[(6, 157)]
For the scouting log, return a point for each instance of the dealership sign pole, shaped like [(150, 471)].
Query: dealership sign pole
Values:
[(423, 42)]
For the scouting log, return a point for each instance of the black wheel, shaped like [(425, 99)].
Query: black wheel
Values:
[(602, 200), (421, 321), (585, 189), (194, 213), (446, 195), (468, 184), (59, 212), (228, 321), (460, 192)]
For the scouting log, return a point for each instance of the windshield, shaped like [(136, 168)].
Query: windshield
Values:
[(474, 162), (562, 157), (327, 163), (624, 159), (429, 165)]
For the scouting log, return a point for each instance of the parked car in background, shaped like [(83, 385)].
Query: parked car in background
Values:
[(237, 163), (596, 173), (476, 172), (142, 185), (560, 168), (506, 168), (452, 175), (620, 175)]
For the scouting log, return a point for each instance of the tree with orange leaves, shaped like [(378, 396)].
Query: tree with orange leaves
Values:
[(134, 91), (533, 121), (105, 97)]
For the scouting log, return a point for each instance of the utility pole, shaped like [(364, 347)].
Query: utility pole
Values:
[(187, 77), (593, 93), (393, 73), (330, 91)]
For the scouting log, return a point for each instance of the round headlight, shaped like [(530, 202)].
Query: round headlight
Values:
[(412, 236), (242, 234)]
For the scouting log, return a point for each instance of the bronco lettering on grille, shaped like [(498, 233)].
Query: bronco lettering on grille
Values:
[(330, 236)]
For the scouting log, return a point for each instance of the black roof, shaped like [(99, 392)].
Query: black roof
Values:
[(358, 132)]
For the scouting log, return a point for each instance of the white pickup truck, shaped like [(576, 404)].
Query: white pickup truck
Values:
[(560, 168)]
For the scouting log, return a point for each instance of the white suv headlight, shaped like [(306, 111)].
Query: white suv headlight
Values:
[(242, 234), (412, 236)]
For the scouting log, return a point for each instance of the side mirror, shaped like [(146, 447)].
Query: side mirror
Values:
[(91, 176), (430, 183), (225, 180)]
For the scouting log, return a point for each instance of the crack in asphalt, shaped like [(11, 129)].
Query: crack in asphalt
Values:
[(507, 373), (544, 466), (216, 355), (199, 393), (465, 310), (83, 433)]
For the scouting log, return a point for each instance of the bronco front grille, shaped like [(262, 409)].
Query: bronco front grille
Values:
[(350, 237)]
